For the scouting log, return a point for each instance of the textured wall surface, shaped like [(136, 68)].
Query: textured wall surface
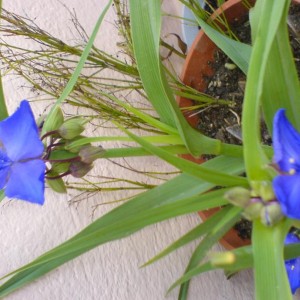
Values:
[(112, 271)]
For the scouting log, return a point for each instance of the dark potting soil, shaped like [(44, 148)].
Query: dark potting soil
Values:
[(223, 121)]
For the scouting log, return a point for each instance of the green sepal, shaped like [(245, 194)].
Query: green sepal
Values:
[(57, 185), (60, 167)]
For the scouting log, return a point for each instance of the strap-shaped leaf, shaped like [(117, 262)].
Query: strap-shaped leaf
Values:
[(147, 208), (145, 26)]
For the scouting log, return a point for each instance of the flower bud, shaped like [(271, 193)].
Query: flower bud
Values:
[(71, 128), (54, 121), (79, 169), (266, 191), (90, 153), (271, 214), (253, 210), (263, 189), (238, 196), (222, 259)]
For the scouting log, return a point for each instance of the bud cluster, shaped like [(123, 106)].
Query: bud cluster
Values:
[(260, 202), (61, 160)]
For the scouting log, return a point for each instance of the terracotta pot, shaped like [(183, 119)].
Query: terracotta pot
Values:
[(195, 71)]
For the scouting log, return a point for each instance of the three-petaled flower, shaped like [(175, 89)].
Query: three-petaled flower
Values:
[(286, 143), (22, 170), (293, 265)]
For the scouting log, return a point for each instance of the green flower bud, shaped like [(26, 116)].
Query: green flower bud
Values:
[(271, 214), (72, 128), (222, 259), (238, 196), (90, 153), (253, 210), (55, 120), (263, 189), (79, 169), (266, 191)]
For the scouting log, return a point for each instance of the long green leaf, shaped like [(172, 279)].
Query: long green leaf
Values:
[(271, 12), (121, 227), (231, 215), (270, 276), (195, 233), (242, 259), (191, 168), (145, 26), (282, 90), (238, 52), (144, 209)]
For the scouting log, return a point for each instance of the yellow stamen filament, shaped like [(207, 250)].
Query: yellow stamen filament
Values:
[(292, 171)]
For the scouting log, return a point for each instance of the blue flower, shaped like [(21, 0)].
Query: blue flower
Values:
[(286, 143), (293, 265), (22, 170)]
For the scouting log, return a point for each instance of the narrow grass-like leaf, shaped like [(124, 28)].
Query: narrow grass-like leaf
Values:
[(157, 139), (282, 90), (144, 209), (231, 215), (139, 151), (195, 233), (271, 281), (117, 229), (145, 26), (238, 52), (191, 168), (267, 26), (243, 259)]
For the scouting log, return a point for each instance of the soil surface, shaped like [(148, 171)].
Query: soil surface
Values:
[(228, 82)]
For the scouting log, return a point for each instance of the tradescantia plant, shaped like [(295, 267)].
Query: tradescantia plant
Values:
[(267, 194)]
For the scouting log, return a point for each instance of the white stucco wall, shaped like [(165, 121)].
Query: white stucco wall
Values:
[(111, 271)]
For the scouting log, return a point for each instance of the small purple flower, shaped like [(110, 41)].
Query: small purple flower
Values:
[(286, 143), (293, 265), (22, 170)]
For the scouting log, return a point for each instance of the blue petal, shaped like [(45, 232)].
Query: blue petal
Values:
[(293, 265), (5, 164), (19, 134), (287, 191), (26, 181), (4, 175), (286, 143)]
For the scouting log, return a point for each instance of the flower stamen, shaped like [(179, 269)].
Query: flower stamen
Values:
[(292, 171), (291, 160)]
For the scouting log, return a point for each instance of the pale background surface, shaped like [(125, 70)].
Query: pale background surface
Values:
[(111, 271)]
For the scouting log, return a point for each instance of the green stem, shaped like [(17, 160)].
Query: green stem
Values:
[(139, 151)]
